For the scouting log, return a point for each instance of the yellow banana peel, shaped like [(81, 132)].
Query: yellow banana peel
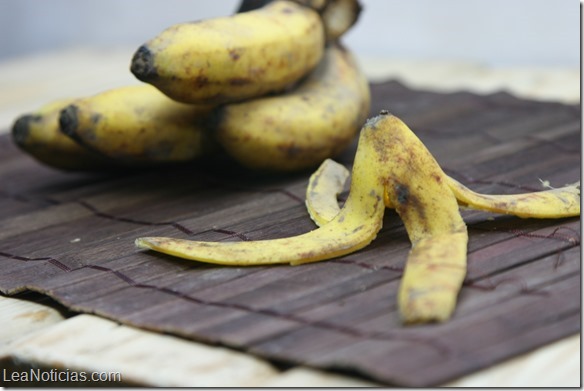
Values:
[(353, 228), (392, 168), (545, 204), (428, 283), (324, 186), (329, 180), (416, 187)]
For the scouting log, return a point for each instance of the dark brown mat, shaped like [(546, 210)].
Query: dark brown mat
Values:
[(71, 236)]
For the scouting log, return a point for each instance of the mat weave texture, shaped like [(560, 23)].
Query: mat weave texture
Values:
[(71, 237)]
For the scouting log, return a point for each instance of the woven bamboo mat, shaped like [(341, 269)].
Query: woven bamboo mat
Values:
[(70, 236)]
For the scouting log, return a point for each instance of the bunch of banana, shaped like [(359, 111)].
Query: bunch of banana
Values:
[(392, 168), (272, 87)]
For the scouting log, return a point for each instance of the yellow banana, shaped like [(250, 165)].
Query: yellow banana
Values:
[(353, 228), (138, 125), (38, 135), (299, 129), (233, 58)]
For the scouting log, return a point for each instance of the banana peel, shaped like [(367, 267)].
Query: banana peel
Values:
[(324, 186), (353, 228), (425, 276), (416, 187), (546, 204), (393, 169), (329, 180)]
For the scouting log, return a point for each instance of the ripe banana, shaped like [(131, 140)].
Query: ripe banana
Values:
[(38, 135), (138, 125), (299, 129), (233, 58)]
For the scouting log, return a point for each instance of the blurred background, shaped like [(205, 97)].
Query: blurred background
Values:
[(53, 49), (493, 32)]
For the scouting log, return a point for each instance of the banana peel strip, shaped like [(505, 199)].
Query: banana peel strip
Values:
[(324, 186), (327, 182), (416, 187), (546, 204), (353, 228), (392, 168)]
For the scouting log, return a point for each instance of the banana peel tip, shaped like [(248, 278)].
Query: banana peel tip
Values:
[(145, 243)]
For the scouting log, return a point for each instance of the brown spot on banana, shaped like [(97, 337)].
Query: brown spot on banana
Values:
[(403, 193), (236, 54), (21, 128), (201, 81), (142, 65), (69, 121)]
